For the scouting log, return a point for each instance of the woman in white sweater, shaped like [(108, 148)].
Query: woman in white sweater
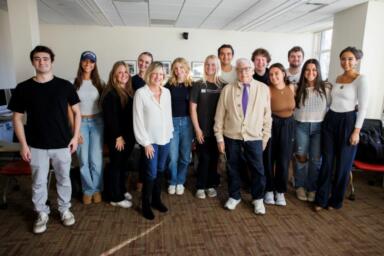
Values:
[(341, 130), (312, 102), (153, 128)]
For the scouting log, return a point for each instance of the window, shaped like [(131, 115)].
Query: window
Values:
[(323, 44)]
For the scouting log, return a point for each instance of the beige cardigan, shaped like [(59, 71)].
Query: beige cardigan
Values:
[(229, 118)]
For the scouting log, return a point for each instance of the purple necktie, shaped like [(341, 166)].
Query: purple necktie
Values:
[(244, 100)]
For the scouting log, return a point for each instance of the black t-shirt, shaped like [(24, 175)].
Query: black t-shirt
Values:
[(180, 99), (206, 95), (46, 105), (137, 82), (264, 78), (118, 120)]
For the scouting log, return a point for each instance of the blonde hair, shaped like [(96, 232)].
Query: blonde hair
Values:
[(173, 79), (217, 80), (154, 65), (112, 84)]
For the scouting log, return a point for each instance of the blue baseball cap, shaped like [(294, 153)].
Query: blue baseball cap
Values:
[(88, 55)]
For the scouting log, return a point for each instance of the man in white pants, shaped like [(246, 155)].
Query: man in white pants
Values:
[(47, 136)]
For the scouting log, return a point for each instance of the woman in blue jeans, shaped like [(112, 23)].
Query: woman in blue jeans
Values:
[(90, 151), (153, 128), (179, 84), (312, 101)]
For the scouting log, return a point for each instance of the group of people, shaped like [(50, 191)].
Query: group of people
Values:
[(257, 116)]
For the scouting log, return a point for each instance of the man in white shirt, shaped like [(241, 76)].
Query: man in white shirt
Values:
[(295, 60), (228, 72)]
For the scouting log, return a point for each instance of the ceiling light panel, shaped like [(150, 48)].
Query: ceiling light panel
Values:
[(195, 12), (133, 13), (164, 9)]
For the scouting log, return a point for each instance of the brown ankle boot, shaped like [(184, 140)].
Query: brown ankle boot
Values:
[(97, 197), (87, 199)]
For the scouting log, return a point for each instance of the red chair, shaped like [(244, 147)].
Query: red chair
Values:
[(10, 171)]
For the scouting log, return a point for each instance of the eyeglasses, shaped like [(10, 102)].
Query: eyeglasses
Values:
[(247, 69)]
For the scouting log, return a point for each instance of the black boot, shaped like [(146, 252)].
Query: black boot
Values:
[(146, 195), (156, 194)]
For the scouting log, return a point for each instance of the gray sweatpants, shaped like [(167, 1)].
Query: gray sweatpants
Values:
[(61, 162)]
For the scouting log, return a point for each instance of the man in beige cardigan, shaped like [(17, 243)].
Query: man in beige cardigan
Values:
[(243, 126)]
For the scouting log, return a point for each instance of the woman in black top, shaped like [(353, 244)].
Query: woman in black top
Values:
[(117, 111), (204, 97), (179, 84)]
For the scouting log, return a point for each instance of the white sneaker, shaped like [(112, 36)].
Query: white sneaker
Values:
[(171, 189), (179, 189), (269, 198), (259, 206), (211, 192), (40, 225), (67, 218), (200, 193), (232, 203), (311, 196), (123, 204), (128, 196), (280, 199)]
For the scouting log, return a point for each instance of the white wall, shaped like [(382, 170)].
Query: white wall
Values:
[(116, 43), (348, 30), (7, 71), (373, 62), (362, 26)]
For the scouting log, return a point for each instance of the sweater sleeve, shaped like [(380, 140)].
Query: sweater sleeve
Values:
[(219, 117), (111, 106), (267, 124), (362, 98)]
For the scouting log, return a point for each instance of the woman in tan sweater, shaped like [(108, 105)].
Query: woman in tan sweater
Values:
[(279, 150)]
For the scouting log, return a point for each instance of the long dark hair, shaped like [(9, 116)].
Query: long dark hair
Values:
[(123, 93), (95, 78), (301, 92)]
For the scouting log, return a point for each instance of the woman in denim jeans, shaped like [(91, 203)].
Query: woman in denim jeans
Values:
[(179, 85), (90, 152), (312, 102)]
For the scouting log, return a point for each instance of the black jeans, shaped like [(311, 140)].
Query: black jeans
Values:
[(336, 131), (115, 175), (279, 153), (208, 154), (252, 151)]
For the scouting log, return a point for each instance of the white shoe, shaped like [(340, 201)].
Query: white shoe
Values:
[(232, 203), (311, 196), (211, 192), (128, 196), (67, 218), (179, 189), (280, 199), (171, 189), (40, 225), (123, 204), (200, 193), (269, 198), (259, 206)]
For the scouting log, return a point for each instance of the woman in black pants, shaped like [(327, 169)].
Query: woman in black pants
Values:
[(341, 129), (117, 111)]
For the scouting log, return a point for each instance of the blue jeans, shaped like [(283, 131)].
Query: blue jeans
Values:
[(253, 154), (90, 154), (157, 163), (308, 144), (180, 150)]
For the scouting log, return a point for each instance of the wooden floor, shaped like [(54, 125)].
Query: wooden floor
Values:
[(199, 227)]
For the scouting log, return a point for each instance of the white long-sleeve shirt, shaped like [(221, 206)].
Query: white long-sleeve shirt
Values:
[(152, 120), (345, 97)]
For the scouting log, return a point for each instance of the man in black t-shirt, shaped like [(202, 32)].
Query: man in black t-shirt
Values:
[(47, 135)]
